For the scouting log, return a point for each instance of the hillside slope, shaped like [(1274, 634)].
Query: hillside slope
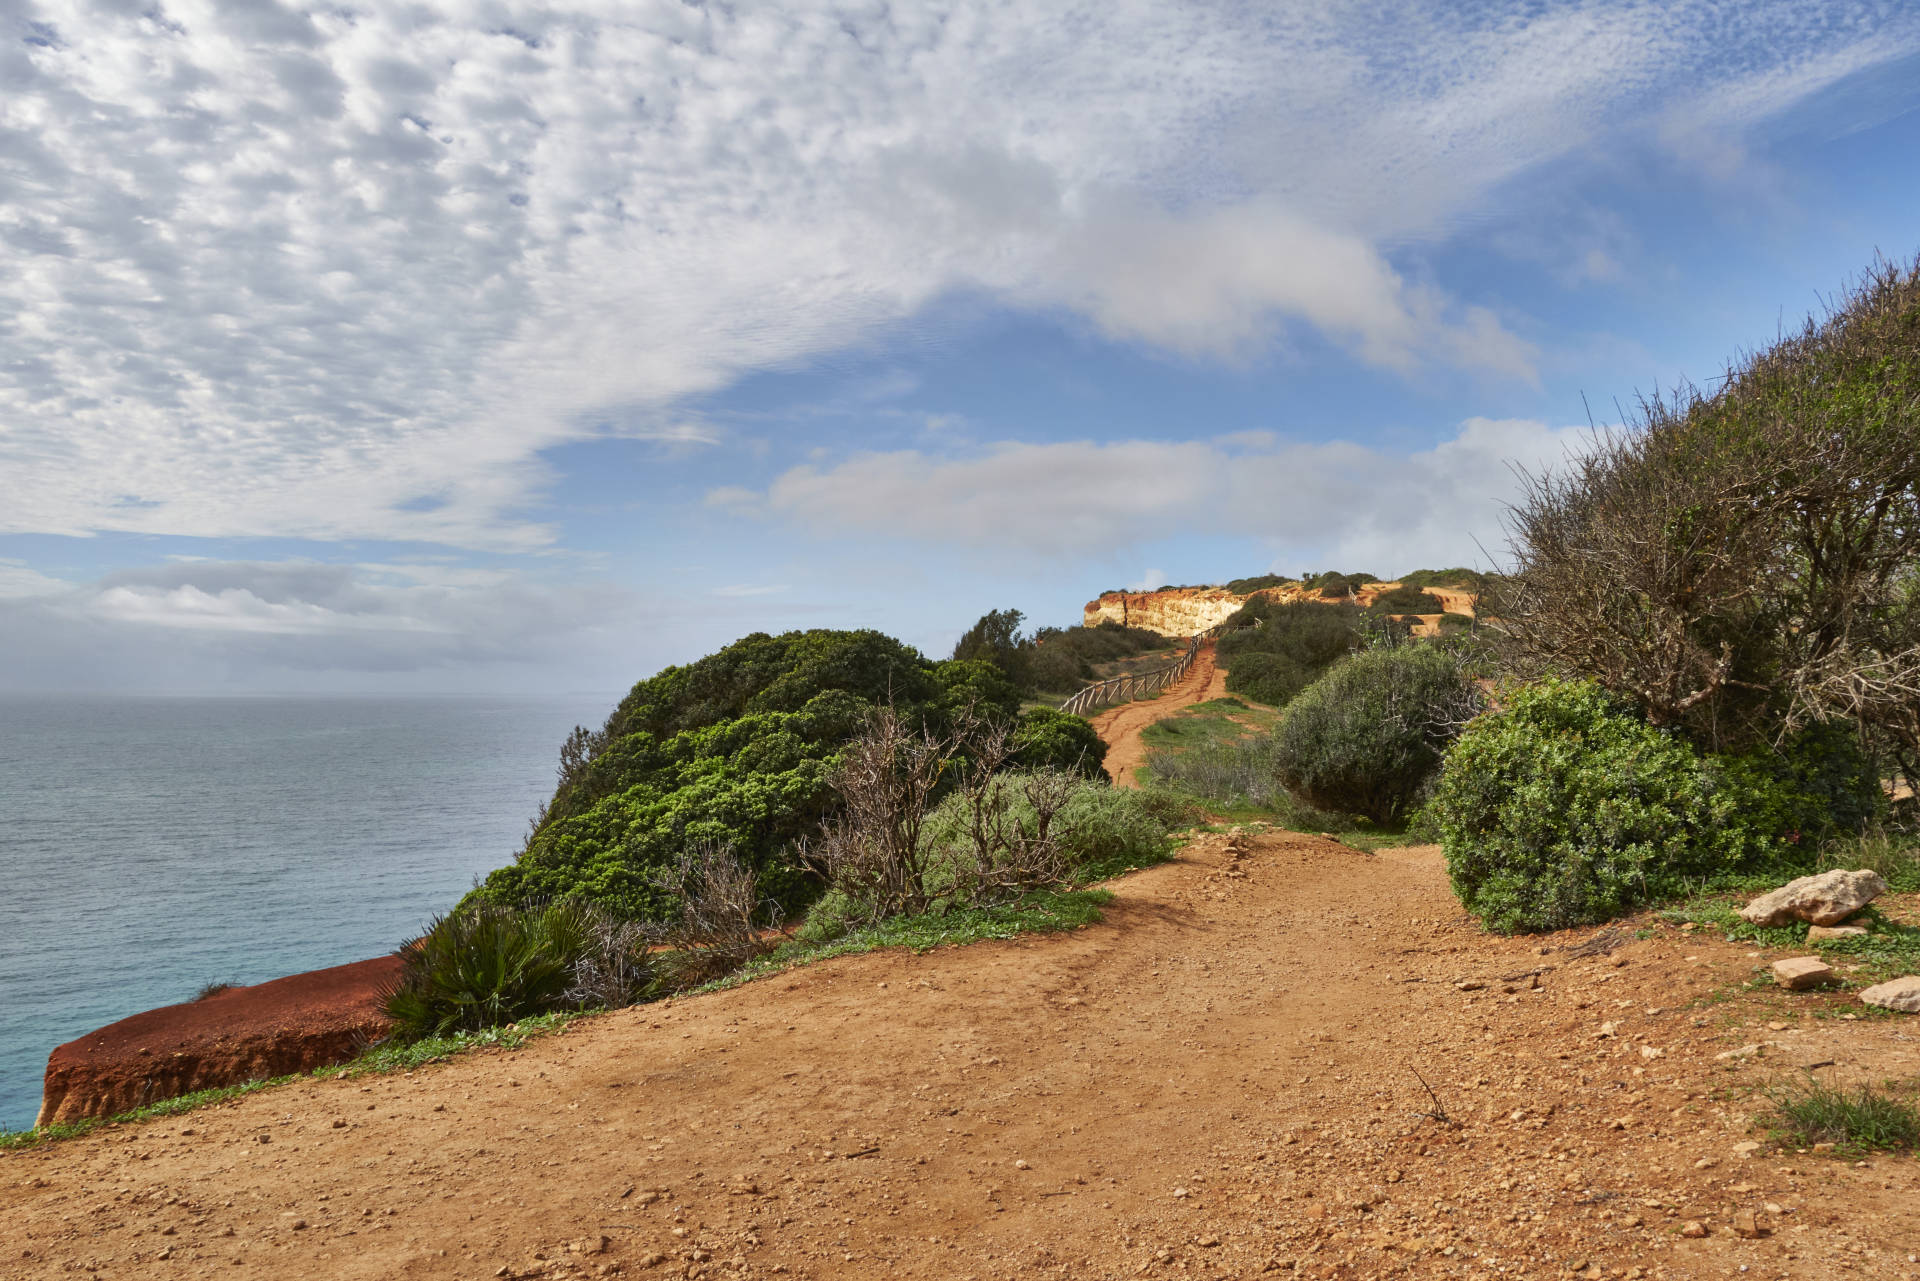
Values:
[(1217, 1081), (1184, 611)]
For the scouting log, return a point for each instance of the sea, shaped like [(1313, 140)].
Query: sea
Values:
[(151, 846)]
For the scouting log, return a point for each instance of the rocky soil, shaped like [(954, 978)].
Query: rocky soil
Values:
[(1229, 1077)]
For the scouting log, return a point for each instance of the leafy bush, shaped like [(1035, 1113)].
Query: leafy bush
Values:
[(1365, 738), (1247, 586), (1566, 808), (487, 965), (1408, 600), (1048, 739), (1292, 644), (1470, 580), (738, 750)]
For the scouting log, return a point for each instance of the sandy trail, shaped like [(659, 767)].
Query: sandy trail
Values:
[(1217, 1081), (1120, 726)]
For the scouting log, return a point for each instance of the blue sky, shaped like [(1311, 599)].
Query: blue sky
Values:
[(528, 347)]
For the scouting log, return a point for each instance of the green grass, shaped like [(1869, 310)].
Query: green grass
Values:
[(1855, 1120), (401, 1058)]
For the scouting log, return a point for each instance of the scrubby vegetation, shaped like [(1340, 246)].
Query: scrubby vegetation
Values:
[(1724, 600), (1053, 660), (1565, 807), (1408, 599), (738, 750), (1366, 737), (485, 965), (897, 848), (1857, 1119), (1273, 650)]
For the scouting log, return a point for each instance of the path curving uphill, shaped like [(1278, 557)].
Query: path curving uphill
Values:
[(1121, 726)]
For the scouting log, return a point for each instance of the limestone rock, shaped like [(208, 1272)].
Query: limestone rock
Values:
[(1799, 973), (1896, 994), (1826, 899), (1818, 932)]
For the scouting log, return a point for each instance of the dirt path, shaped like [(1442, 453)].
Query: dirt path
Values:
[(1120, 726), (1218, 1081)]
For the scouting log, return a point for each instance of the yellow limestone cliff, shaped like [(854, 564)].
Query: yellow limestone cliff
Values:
[(1183, 611)]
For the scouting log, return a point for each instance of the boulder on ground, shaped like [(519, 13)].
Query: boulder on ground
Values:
[(1826, 899), (1799, 973), (1895, 994), (1818, 932)]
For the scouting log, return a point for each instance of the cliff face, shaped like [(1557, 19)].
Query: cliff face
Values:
[(1182, 611), (243, 1034), (1173, 611)]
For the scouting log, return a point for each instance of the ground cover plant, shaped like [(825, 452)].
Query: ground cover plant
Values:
[(1856, 1119)]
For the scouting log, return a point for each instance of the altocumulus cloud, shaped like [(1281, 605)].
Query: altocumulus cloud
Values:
[(348, 271), (1076, 498)]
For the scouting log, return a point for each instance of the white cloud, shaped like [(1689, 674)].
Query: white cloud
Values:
[(347, 273), (1084, 498)]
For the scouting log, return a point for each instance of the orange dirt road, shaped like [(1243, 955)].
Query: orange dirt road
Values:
[(1120, 726), (1217, 1081)]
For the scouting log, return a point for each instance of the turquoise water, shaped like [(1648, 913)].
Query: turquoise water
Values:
[(151, 846)]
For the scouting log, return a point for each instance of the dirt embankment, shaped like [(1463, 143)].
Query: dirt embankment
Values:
[(293, 1024), (1217, 1081), (1121, 726)]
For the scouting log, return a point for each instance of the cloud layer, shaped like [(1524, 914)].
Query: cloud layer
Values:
[(347, 272), (1086, 498)]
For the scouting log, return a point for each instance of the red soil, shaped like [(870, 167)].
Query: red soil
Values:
[(287, 1025), (1120, 726)]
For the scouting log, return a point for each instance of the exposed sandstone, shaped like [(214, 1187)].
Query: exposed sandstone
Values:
[(293, 1024), (1826, 899), (1799, 973), (1183, 611)]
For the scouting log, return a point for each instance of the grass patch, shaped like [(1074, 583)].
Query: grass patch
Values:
[(1856, 1119), (380, 1058)]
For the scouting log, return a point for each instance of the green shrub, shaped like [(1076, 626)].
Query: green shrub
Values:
[(1291, 645), (1408, 600), (737, 750), (1566, 808), (1102, 830), (1248, 586), (487, 965), (1048, 739), (1365, 738)]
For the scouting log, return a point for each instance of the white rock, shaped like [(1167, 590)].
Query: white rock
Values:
[(1826, 899), (1818, 932), (1896, 994)]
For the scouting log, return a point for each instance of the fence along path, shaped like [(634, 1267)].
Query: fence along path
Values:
[(1121, 689)]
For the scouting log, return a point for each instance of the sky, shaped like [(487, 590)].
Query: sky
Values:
[(525, 348)]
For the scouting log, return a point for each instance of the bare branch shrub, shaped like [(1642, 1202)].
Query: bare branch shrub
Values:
[(723, 922), (1008, 849), (1747, 562), (873, 851)]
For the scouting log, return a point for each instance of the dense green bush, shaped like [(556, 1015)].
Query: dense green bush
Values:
[(1407, 599), (1471, 580), (1053, 660), (1292, 643), (737, 750), (1247, 586), (1047, 739), (1566, 808), (485, 965), (1366, 737)]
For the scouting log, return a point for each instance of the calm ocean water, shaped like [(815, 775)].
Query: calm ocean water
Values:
[(151, 846)]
